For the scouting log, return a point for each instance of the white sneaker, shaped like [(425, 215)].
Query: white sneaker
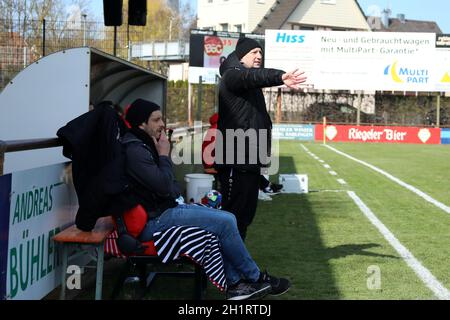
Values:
[(264, 196)]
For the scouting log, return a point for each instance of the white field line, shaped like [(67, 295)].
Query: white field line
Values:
[(424, 274), (400, 182)]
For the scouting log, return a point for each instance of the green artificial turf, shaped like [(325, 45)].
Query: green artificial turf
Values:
[(322, 241)]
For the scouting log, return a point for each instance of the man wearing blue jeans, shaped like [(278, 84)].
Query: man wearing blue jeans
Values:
[(149, 169)]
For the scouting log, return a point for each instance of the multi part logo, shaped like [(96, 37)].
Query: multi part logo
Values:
[(284, 37), (406, 74)]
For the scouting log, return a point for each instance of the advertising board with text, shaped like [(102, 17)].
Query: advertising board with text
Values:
[(41, 203), (5, 191), (378, 134), (353, 60), (208, 49), (301, 132)]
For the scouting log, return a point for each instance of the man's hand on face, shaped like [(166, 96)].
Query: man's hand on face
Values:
[(294, 78), (162, 145)]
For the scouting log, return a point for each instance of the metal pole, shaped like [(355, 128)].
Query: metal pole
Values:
[(129, 42), (278, 112), (25, 54), (115, 40), (199, 108), (2, 155), (438, 110), (216, 95), (358, 110), (189, 104), (129, 50), (43, 37), (84, 29)]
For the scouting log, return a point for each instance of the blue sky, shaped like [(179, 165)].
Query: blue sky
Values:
[(430, 10)]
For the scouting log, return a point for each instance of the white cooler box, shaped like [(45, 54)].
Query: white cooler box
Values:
[(294, 183)]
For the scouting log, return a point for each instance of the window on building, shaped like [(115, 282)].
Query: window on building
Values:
[(210, 1), (238, 27), (224, 26), (297, 26)]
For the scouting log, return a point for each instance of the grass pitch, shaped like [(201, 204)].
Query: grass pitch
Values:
[(324, 243)]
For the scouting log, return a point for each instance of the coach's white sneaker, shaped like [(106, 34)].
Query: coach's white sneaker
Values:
[(264, 196)]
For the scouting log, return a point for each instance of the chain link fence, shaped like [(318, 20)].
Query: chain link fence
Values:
[(24, 42)]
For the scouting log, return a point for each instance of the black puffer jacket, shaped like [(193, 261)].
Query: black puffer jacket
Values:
[(242, 106), (151, 176)]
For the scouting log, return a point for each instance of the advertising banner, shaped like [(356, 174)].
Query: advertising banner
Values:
[(445, 136), (291, 49), (357, 60), (378, 134), (293, 132), (443, 56), (208, 49), (42, 203)]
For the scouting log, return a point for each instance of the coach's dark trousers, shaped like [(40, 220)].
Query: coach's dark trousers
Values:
[(239, 195)]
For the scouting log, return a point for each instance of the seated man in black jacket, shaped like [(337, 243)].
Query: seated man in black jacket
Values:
[(149, 168)]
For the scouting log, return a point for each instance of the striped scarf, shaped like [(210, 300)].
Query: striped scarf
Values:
[(195, 243)]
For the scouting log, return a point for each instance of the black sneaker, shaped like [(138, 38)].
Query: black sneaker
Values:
[(273, 188), (276, 187), (246, 291), (278, 285)]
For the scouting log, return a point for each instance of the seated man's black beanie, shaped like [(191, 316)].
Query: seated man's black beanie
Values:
[(245, 45), (139, 112)]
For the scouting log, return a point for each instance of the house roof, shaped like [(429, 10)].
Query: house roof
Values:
[(397, 25), (279, 13), (277, 16)]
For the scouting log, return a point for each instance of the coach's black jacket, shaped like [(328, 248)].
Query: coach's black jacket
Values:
[(242, 106)]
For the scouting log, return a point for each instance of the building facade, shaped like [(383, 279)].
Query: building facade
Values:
[(231, 15), (332, 15), (254, 16)]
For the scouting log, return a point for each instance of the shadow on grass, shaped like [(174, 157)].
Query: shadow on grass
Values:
[(346, 250), (285, 238)]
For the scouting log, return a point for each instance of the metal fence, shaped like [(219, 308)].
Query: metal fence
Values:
[(24, 42)]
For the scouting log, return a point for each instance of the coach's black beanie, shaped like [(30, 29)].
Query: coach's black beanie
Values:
[(139, 112), (245, 45)]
